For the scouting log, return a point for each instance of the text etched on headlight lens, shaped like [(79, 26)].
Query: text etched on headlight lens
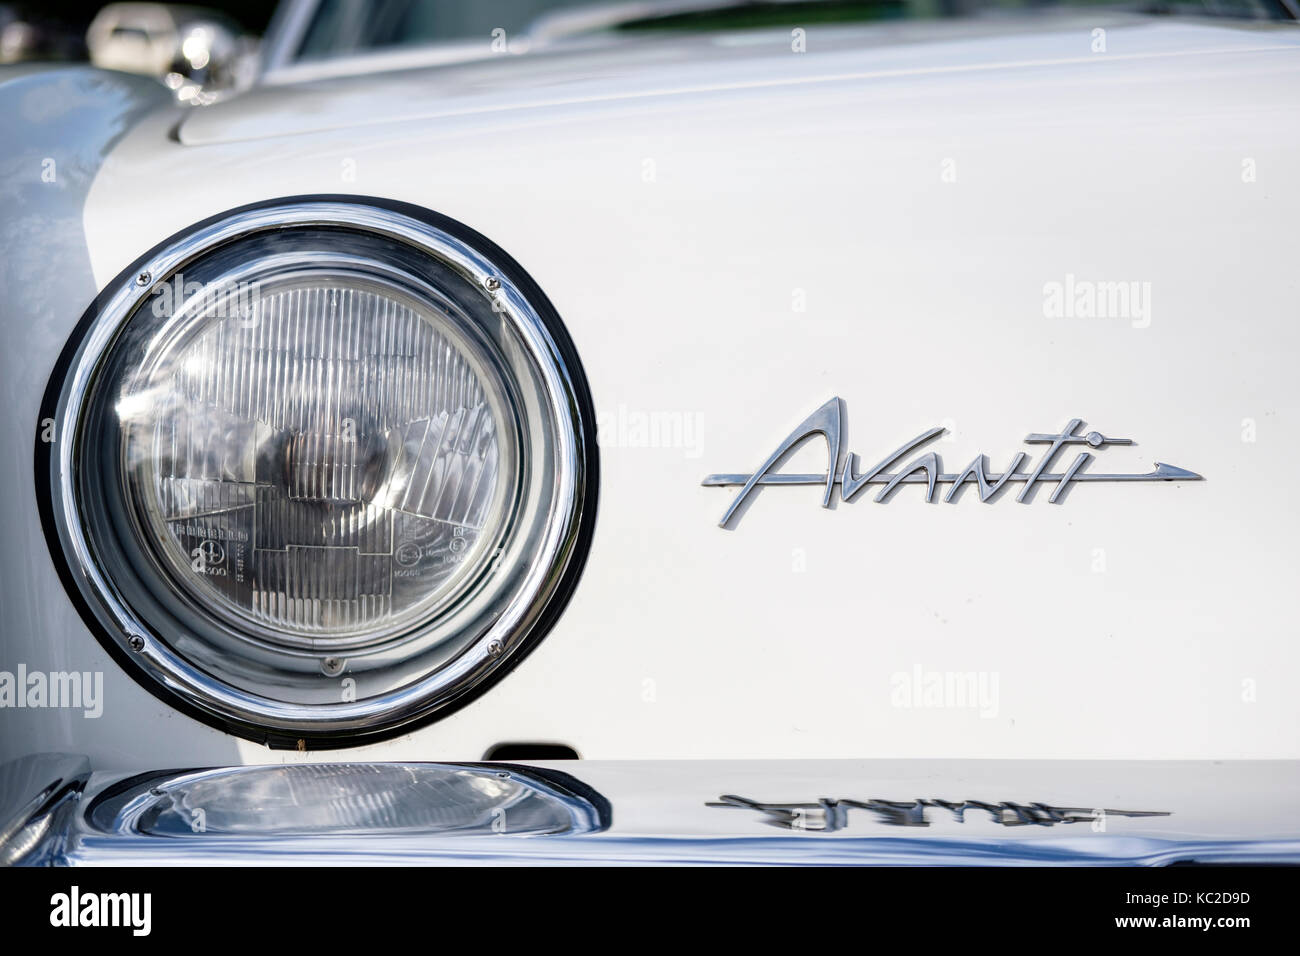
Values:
[(329, 468)]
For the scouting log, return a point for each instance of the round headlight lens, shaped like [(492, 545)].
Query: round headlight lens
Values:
[(328, 469), (323, 465)]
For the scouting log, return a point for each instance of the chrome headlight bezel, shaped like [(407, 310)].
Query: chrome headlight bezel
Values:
[(543, 586)]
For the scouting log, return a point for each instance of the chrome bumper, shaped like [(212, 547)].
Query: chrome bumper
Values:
[(54, 811)]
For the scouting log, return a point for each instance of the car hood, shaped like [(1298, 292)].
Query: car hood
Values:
[(612, 70), (732, 243)]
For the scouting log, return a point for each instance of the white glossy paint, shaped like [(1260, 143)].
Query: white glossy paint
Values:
[(680, 200)]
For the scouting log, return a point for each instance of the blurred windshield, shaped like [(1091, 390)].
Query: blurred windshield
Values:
[(341, 27), (337, 28)]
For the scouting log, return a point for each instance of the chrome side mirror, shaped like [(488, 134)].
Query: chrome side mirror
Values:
[(211, 61)]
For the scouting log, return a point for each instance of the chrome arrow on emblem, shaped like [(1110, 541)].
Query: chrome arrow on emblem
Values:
[(928, 469)]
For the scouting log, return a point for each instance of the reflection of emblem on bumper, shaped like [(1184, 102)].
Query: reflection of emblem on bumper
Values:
[(928, 468), (828, 815)]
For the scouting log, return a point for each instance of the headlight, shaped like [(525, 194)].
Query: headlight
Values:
[(322, 469)]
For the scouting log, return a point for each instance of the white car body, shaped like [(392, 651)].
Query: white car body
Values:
[(733, 232)]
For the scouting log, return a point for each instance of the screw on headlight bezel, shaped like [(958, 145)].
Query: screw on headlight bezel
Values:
[(530, 612)]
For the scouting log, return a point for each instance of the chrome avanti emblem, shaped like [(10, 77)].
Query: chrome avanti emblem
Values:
[(928, 468)]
